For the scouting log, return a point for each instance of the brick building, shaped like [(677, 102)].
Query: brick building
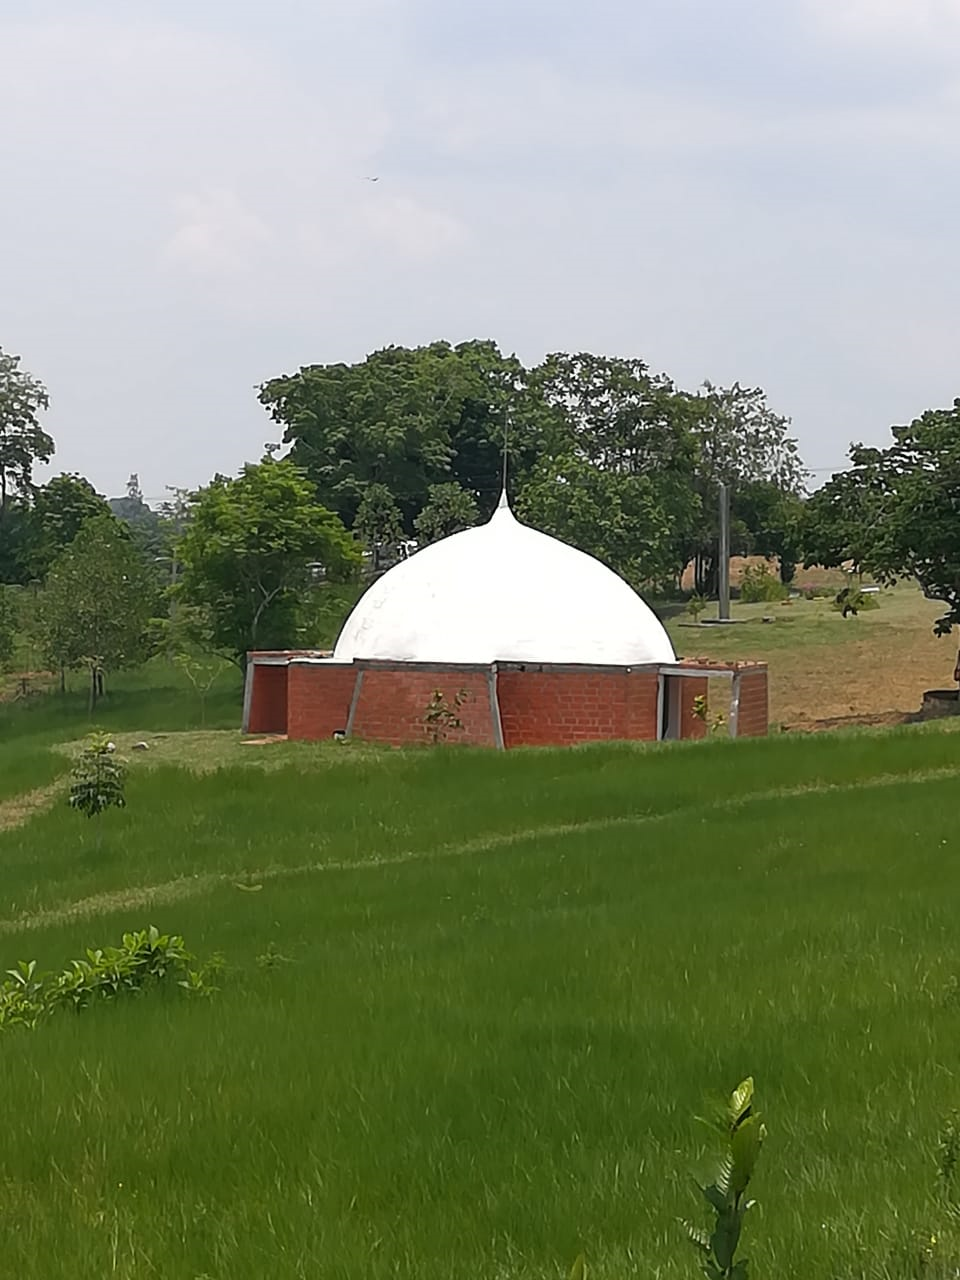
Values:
[(535, 642)]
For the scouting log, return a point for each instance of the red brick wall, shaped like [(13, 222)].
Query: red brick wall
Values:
[(319, 699), (753, 720), (268, 700), (692, 687), (643, 692), (560, 708), (393, 702)]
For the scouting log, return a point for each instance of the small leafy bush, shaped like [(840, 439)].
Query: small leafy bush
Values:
[(852, 600), (442, 718), (758, 585), (696, 605), (145, 959), (743, 1135), (948, 1155), (98, 778), (701, 710)]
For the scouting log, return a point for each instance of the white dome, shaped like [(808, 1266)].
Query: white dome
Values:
[(503, 592)]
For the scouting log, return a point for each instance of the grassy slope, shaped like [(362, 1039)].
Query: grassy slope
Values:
[(157, 696), (823, 666), (507, 994)]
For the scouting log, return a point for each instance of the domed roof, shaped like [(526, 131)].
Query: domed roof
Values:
[(503, 592)]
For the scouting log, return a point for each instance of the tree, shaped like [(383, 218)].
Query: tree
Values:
[(378, 523), (449, 509), (740, 442), (8, 626), (620, 519), (245, 555), (896, 512), (98, 602), (405, 418), (15, 539), (839, 520), (617, 476), (145, 524), (23, 442), (769, 522), (60, 509)]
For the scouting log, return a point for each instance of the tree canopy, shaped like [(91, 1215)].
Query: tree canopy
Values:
[(448, 509), (60, 509), (98, 602), (591, 439), (246, 553), (894, 513), (23, 441)]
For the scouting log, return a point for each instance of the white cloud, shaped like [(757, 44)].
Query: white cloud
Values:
[(411, 228), (929, 23), (217, 234)]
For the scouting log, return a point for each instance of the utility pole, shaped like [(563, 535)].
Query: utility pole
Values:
[(724, 566)]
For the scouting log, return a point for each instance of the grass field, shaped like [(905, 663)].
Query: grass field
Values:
[(824, 667), (475, 1002)]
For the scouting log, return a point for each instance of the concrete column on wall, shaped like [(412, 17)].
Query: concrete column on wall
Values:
[(734, 704), (495, 709), (247, 696), (352, 714)]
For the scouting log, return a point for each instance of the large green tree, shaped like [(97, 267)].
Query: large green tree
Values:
[(9, 616), (618, 518), (741, 442), (60, 509), (146, 525), (617, 469), (246, 553), (449, 509), (378, 523), (15, 542), (767, 521), (23, 441), (405, 418), (98, 603), (896, 512)]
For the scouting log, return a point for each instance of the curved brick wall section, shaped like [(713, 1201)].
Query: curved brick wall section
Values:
[(318, 699), (529, 706), (544, 707), (268, 700), (392, 702), (754, 716)]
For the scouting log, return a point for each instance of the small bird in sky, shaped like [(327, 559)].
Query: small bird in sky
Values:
[(371, 179)]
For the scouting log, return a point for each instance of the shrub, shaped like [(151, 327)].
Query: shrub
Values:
[(743, 1135), (695, 606), (852, 600), (441, 717), (144, 959), (98, 778), (758, 585)]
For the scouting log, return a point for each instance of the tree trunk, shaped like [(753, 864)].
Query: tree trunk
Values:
[(705, 574), (92, 701), (63, 679)]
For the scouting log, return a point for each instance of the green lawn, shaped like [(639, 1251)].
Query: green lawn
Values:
[(508, 985)]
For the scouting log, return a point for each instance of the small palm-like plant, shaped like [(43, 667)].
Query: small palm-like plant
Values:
[(743, 1133)]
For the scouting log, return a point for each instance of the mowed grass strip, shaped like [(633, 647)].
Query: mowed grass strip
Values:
[(478, 1064)]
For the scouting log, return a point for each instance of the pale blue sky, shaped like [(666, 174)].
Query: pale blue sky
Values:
[(753, 191)]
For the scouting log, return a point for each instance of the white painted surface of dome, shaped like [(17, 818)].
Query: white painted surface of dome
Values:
[(503, 592)]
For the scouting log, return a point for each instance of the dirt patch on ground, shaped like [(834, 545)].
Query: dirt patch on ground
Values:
[(21, 685), (15, 812)]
